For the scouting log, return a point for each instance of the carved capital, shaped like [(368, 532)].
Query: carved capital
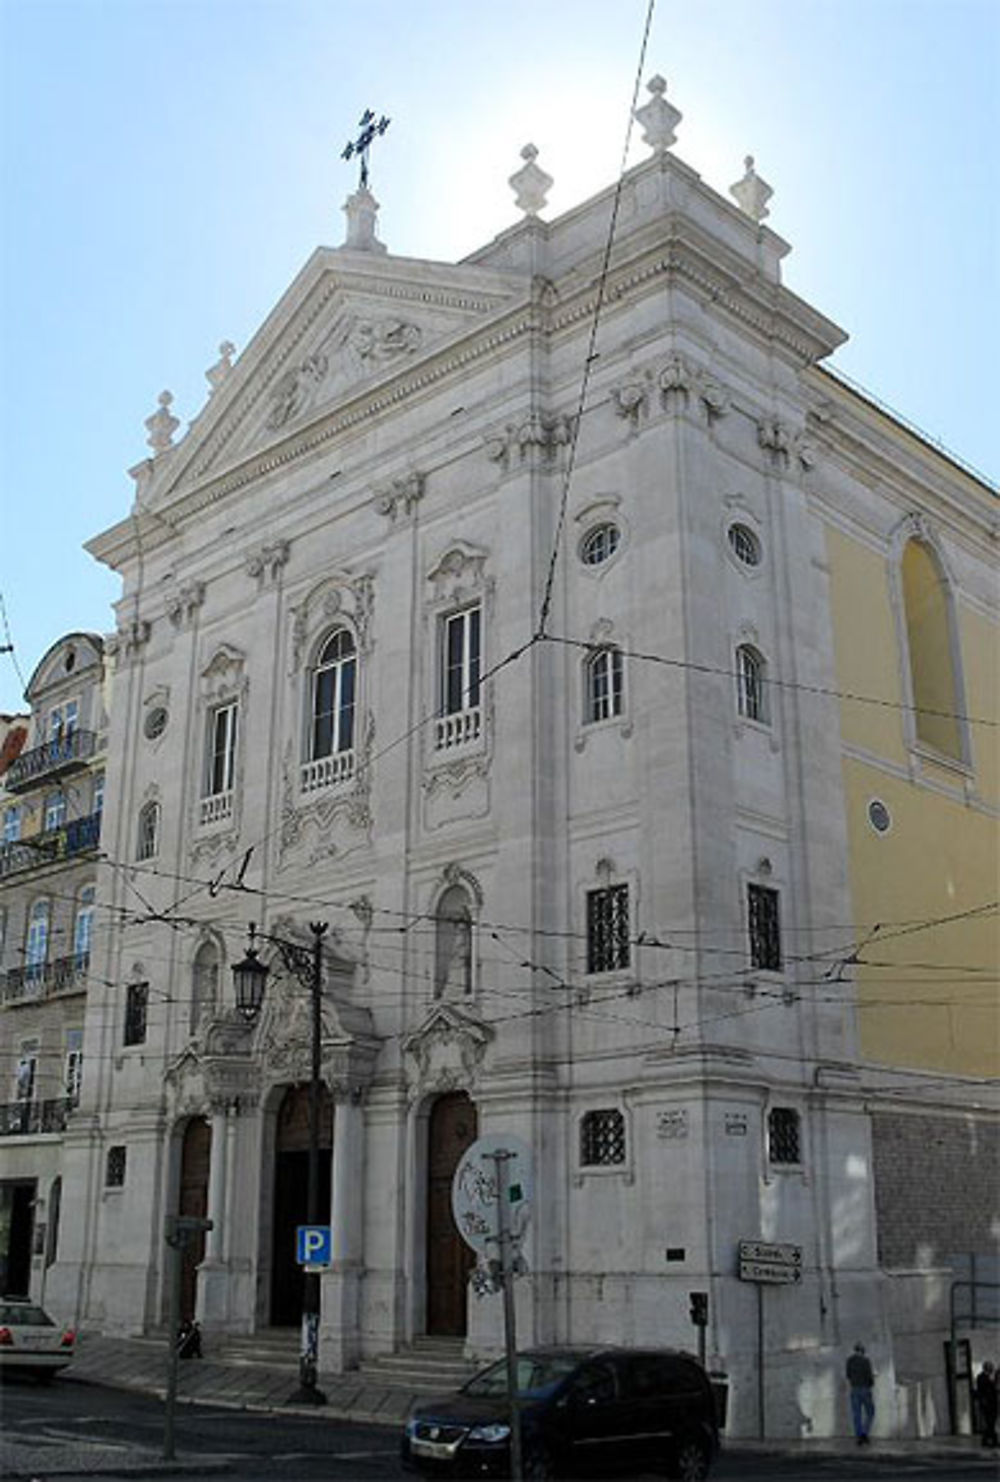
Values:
[(400, 497), (265, 563), (182, 604)]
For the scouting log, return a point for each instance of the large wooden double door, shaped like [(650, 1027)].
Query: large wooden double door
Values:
[(451, 1130)]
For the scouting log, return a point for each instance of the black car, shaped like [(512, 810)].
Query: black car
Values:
[(583, 1411)]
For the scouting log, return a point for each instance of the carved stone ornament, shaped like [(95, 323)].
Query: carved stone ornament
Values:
[(658, 119), (682, 380), (219, 372), (283, 1042), (296, 388), (183, 602), (400, 497), (162, 425), (377, 341), (530, 184), (631, 398), (266, 561), (219, 1073), (784, 443), (459, 572), (448, 1048), (336, 821), (125, 643), (752, 193), (222, 672), (339, 595)]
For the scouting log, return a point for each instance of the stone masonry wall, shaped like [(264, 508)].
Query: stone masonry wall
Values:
[(936, 1187)]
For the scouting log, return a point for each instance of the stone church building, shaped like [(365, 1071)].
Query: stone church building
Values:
[(488, 613)]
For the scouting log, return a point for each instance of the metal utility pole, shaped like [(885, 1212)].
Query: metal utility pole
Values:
[(500, 1159), (179, 1232)]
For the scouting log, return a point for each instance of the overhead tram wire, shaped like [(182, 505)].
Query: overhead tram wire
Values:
[(591, 356)]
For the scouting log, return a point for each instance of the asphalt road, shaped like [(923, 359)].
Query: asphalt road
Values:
[(298, 1448)]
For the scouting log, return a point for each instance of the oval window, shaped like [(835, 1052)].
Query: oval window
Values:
[(155, 723), (879, 816), (600, 543), (745, 545)]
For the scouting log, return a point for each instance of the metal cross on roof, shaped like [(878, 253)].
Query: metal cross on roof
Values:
[(368, 128)]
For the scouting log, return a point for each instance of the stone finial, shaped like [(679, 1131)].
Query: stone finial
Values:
[(161, 426), (217, 373), (530, 184), (658, 119), (361, 210), (752, 193)]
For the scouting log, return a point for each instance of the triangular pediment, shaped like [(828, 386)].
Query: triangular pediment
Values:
[(349, 323)]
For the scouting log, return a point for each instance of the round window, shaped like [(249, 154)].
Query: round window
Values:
[(600, 543), (745, 545), (879, 816), (155, 723)]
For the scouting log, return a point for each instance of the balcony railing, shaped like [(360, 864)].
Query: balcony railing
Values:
[(44, 979), (65, 753), (56, 844), (326, 771), (458, 729), (217, 807), (27, 1118)]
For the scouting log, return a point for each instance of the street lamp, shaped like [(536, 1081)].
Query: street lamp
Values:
[(250, 979)]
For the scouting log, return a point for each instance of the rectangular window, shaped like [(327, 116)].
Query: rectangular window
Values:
[(607, 929), (764, 924), (55, 811), (783, 1142), (73, 1074), (602, 1138), (462, 658), (114, 1170), (97, 793), (136, 1005), (12, 824), (221, 769), (27, 1071)]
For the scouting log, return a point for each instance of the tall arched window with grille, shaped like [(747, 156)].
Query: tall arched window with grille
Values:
[(751, 684), (931, 651), (148, 831), (36, 945)]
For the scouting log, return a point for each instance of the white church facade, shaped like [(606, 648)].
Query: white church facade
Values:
[(576, 822)]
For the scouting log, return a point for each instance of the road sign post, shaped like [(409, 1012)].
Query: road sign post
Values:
[(179, 1231), (767, 1263), (491, 1196)]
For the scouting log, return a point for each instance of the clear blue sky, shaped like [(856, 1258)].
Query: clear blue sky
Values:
[(169, 165)]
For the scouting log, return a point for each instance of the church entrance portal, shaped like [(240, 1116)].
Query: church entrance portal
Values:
[(291, 1196), (196, 1157), (449, 1260)]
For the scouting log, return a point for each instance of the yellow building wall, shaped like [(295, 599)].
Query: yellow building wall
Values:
[(927, 978)]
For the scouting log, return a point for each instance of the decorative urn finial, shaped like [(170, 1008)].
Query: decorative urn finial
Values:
[(217, 373), (161, 426), (530, 184), (752, 193), (658, 119)]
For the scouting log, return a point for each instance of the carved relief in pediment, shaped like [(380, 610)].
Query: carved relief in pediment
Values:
[(446, 1051)]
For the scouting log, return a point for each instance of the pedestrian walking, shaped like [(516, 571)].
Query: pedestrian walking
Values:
[(861, 1382), (987, 1398)]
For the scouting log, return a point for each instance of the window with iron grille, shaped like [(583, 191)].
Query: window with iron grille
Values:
[(602, 1138), (764, 924), (147, 840), (114, 1168), (607, 929), (784, 1145), (136, 1005), (751, 684)]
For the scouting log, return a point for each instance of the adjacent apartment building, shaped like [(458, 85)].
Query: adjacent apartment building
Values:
[(51, 799), (618, 687)]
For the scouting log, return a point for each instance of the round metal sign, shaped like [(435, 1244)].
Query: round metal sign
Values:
[(476, 1188)]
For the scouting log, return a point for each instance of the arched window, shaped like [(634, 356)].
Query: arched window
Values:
[(605, 688), (751, 691), (147, 841), (204, 985), (36, 946), (453, 945), (931, 654), (333, 692), (83, 927)]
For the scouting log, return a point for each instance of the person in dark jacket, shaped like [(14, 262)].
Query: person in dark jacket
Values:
[(986, 1395), (861, 1381)]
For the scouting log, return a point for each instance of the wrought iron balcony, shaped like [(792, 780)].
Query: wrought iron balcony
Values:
[(44, 979), (54, 758), (56, 844), (28, 1118)]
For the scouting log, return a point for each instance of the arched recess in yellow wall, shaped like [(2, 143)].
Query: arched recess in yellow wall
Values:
[(931, 652)]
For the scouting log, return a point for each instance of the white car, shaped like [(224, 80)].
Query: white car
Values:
[(31, 1341)]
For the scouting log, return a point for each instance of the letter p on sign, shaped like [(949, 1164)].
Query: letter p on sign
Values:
[(313, 1245)]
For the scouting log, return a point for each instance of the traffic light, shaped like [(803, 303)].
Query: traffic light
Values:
[(699, 1309)]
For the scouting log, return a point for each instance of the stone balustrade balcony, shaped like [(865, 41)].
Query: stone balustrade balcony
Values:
[(461, 728)]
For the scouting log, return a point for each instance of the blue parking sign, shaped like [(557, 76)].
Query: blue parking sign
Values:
[(313, 1245)]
